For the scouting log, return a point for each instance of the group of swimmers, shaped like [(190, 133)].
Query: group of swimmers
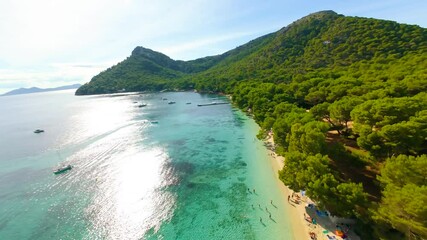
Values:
[(259, 205)]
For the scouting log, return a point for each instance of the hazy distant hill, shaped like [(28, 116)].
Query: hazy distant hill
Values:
[(36, 90)]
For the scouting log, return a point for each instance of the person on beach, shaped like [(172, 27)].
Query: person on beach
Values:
[(308, 218), (313, 235), (289, 197)]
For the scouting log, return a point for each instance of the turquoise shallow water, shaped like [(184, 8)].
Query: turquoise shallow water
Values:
[(184, 177)]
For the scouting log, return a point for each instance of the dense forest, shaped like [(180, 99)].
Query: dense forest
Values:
[(345, 99)]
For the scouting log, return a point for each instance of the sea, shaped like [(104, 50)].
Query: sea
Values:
[(160, 171)]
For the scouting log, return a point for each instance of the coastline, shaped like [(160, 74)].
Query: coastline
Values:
[(297, 211), (325, 227)]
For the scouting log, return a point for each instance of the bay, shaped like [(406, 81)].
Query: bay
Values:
[(163, 171)]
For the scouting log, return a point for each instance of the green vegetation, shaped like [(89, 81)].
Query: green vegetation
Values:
[(345, 98), (147, 70), (405, 194)]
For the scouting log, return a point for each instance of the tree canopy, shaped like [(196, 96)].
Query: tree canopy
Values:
[(405, 194)]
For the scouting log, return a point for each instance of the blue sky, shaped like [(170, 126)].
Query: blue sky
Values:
[(49, 43)]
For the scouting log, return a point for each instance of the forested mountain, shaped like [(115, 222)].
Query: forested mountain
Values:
[(148, 70), (345, 99)]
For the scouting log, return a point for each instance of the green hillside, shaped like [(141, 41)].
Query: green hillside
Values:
[(148, 70), (345, 99), (323, 44), (143, 70)]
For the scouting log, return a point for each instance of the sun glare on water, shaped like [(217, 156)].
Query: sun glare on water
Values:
[(129, 200), (99, 117), (125, 178)]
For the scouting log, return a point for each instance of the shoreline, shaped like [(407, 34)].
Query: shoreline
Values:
[(323, 227), (297, 211)]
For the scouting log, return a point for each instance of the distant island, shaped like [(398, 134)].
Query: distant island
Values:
[(36, 89)]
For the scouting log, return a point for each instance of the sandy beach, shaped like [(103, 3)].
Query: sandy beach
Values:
[(325, 227)]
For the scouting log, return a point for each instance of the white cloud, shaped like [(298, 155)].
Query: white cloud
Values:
[(44, 30), (182, 49), (38, 34)]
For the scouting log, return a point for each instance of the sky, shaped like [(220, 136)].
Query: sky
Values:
[(50, 43)]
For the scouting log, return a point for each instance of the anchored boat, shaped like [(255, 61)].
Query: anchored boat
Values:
[(63, 169), (212, 103)]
